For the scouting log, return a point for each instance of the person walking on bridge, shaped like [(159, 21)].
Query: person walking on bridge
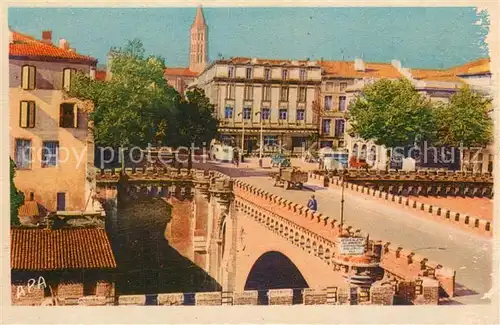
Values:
[(312, 204)]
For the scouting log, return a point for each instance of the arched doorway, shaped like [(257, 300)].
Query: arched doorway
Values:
[(273, 270), (373, 154), (362, 155), (355, 150)]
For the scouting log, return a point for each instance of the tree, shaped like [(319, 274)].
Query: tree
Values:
[(131, 108), (392, 113), (16, 196), (193, 123), (465, 119)]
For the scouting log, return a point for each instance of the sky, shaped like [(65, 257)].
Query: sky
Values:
[(419, 37)]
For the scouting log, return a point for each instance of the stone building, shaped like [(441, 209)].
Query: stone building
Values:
[(278, 96), (181, 77), (49, 134), (336, 77)]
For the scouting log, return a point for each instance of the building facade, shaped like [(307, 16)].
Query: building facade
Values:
[(49, 132), (181, 77), (275, 98)]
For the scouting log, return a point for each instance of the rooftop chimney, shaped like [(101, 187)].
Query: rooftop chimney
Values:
[(396, 64), (47, 36), (64, 44), (359, 65)]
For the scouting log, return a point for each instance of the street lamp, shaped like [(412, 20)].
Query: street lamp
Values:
[(342, 201), (261, 139), (242, 135)]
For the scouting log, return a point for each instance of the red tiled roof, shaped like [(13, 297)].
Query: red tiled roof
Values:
[(100, 75), (181, 72), (24, 45), (372, 70), (72, 248), (452, 74), (28, 209)]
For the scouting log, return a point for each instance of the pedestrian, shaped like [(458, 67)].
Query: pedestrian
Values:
[(312, 204)]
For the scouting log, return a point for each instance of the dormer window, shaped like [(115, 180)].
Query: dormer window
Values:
[(28, 77), (267, 73), (230, 72), (68, 73), (284, 74), (302, 75), (249, 73)]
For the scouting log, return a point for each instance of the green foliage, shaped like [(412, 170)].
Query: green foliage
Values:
[(392, 113), (129, 108), (193, 121), (16, 196), (464, 120)]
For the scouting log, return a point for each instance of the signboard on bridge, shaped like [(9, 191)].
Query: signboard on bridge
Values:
[(352, 245)]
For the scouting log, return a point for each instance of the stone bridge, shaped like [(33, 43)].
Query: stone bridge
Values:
[(422, 182), (248, 239)]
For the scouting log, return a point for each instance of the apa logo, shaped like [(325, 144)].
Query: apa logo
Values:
[(31, 283)]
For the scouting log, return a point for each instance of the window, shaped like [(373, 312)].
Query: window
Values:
[(249, 73), (230, 91), (326, 126), (248, 93), (342, 103), (266, 90), (284, 94), (300, 115), (28, 77), (61, 201), (284, 74), (230, 72), (267, 73), (228, 112), (50, 153), (328, 103), (227, 139), (343, 86), (247, 113), (302, 75), (89, 287), (283, 114), (27, 114), (329, 86), (302, 94), (23, 153), (67, 75), (266, 113), (339, 128), (68, 115), (270, 140)]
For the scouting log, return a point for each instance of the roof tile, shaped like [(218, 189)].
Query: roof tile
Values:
[(72, 248)]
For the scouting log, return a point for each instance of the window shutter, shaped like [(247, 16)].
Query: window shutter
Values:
[(23, 116), (31, 114), (32, 75), (61, 114), (66, 78), (75, 116), (25, 77)]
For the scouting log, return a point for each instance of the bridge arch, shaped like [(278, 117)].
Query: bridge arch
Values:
[(274, 270)]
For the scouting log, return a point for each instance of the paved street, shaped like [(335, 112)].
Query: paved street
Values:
[(469, 254)]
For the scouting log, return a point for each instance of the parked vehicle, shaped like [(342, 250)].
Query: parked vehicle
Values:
[(223, 153), (290, 177), (335, 160), (280, 160)]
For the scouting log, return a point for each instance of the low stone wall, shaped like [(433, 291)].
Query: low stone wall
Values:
[(464, 221)]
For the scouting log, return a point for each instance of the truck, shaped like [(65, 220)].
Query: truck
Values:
[(290, 177)]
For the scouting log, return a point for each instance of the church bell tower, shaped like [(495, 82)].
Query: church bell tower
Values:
[(198, 44)]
